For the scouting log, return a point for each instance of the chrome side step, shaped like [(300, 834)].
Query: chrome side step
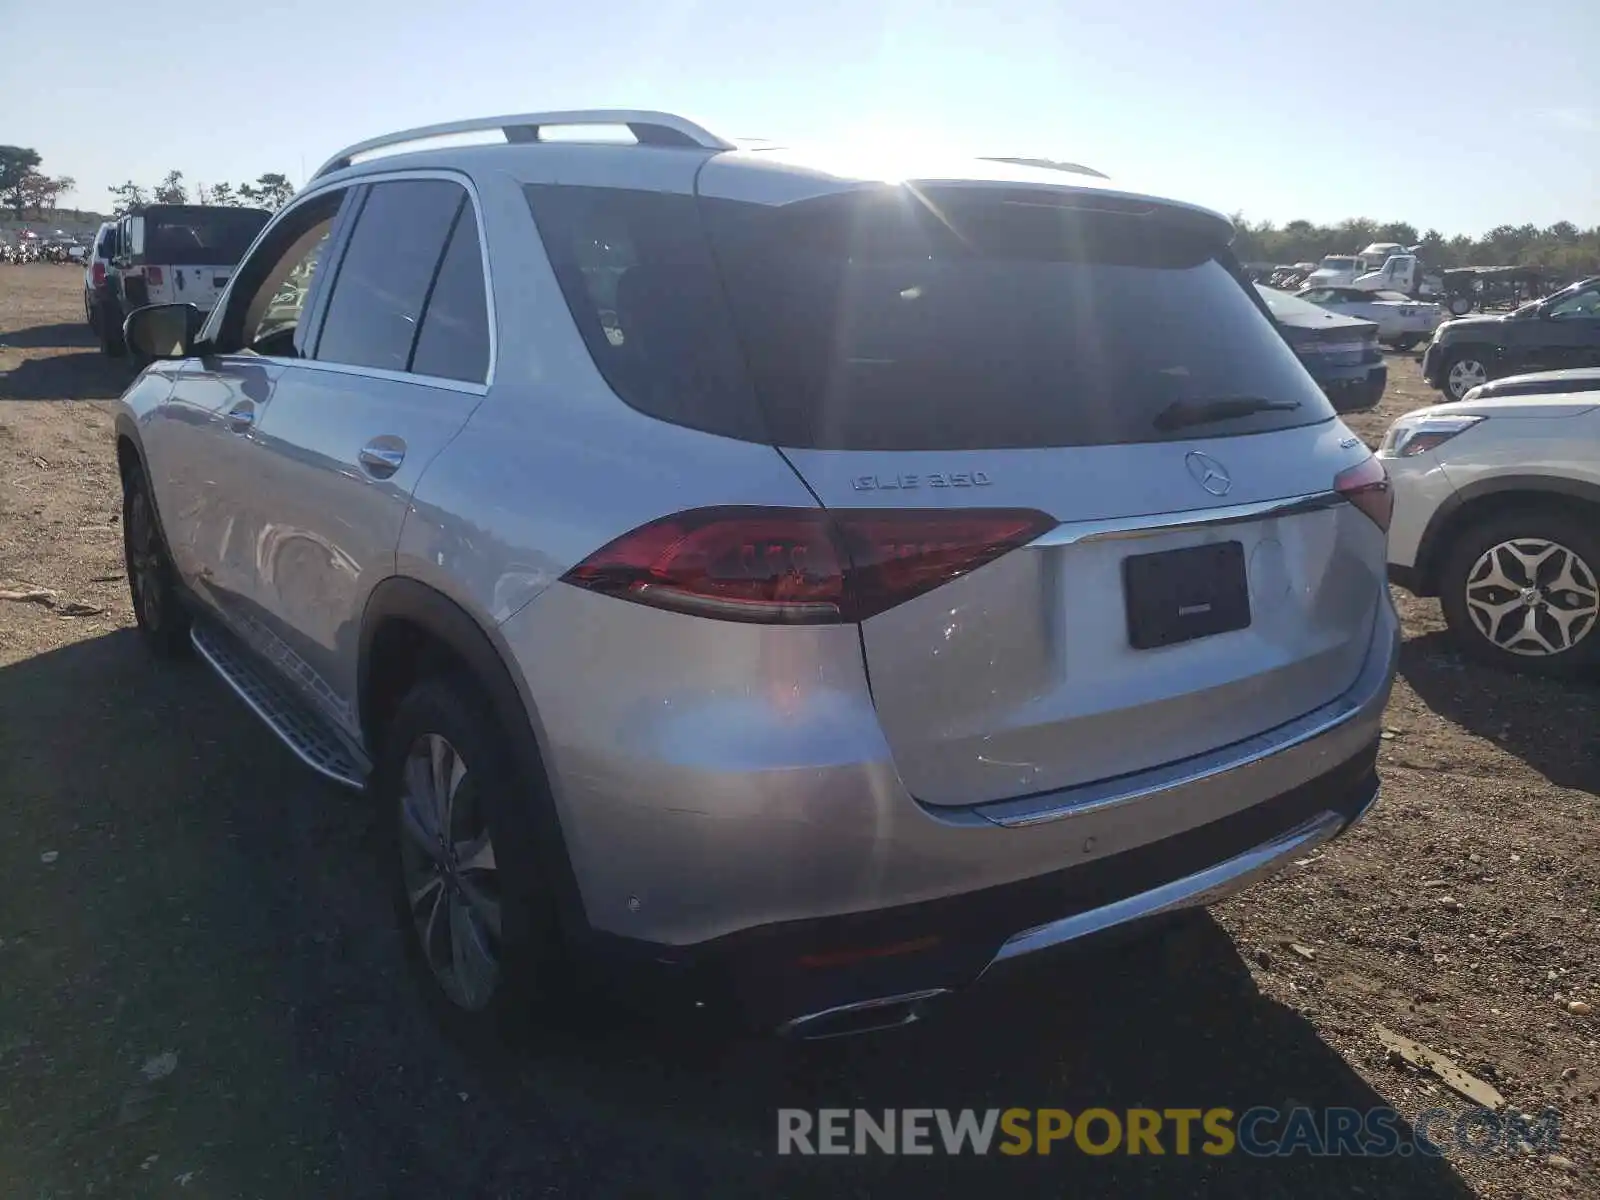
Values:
[(299, 728)]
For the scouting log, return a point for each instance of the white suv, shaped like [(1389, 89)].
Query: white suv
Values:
[(1497, 513)]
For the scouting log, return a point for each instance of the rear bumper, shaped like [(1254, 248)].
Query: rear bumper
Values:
[(821, 978), (1229, 827), (1359, 391), (1198, 888)]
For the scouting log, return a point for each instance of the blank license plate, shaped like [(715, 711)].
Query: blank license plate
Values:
[(1179, 595)]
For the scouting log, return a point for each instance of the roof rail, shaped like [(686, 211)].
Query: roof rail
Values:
[(650, 128)]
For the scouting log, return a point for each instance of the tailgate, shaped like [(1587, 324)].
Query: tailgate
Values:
[(1097, 366), (1053, 666), (199, 285)]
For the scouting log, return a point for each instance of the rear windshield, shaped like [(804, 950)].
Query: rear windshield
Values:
[(949, 320), (200, 236)]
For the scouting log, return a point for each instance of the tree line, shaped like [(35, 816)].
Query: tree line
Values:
[(1562, 248), (24, 188), (270, 191)]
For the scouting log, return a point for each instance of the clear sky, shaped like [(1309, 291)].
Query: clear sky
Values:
[(1456, 114)]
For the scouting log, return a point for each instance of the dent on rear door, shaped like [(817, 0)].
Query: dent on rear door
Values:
[(213, 474), (331, 525), (170, 448)]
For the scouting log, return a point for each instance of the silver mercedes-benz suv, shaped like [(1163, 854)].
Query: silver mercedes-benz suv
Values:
[(815, 580)]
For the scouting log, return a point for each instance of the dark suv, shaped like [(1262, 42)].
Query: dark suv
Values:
[(1559, 331)]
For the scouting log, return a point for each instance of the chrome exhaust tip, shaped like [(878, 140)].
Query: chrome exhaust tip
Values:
[(862, 1016)]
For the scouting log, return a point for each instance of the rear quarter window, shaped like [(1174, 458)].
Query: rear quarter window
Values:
[(638, 276)]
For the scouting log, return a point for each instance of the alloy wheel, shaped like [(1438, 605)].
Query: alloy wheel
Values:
[(1532, 597), (448, 869), (1466, 374), (144, 561)]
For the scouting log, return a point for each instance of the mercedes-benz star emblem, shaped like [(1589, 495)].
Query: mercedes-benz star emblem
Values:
[(1208, 473)]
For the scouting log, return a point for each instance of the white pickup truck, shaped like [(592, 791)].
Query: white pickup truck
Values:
[(1381, 267)]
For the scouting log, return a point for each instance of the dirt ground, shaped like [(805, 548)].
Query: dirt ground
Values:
[(202, 992)]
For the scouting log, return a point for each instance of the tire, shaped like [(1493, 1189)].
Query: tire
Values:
[(1489, 619), (1405, 344), (481, 887), (111, 332), (1459, 306), (1464, 370), (158, 603)]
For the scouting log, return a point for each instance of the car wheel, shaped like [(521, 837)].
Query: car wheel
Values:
[(1521, 592), (1459, 306), (1406, 344), (152, 580), (1466, 370), (111, 332), (478, 917)]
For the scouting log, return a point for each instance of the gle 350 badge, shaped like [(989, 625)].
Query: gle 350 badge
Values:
[(933, 479)]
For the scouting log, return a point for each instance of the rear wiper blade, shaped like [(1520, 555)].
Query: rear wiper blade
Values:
[(1184, 413)]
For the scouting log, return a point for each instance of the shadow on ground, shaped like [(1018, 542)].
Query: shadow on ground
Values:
[(1552, 726), (176, 884), (49, 337), (77, 375)]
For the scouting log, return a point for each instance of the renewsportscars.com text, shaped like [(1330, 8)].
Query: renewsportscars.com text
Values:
[(1259, 1132)]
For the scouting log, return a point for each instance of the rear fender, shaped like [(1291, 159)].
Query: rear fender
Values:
[(482, 651)]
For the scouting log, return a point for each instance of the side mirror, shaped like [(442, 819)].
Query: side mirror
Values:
[(162, 331)]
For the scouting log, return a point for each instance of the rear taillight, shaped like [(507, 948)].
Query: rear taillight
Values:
[(1366, 485), (152, 276), (98, 274), (800, 566)]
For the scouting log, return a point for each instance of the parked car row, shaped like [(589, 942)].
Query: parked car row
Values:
[(23, 252)]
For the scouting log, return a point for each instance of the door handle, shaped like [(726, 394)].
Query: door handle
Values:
[(382, 456), (242, 417)]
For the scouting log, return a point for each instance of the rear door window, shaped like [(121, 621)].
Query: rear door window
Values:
[(381, 287), (942, 319)]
